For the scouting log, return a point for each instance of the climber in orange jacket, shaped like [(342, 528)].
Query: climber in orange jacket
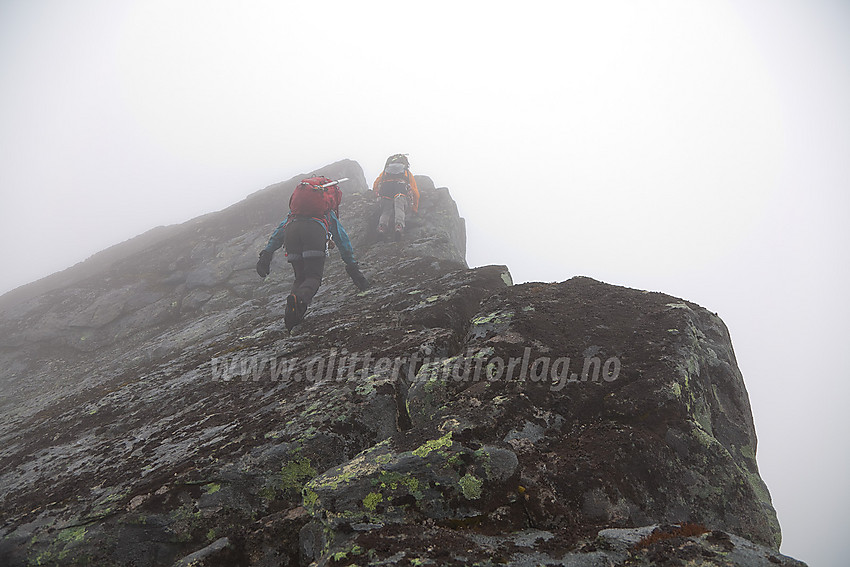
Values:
[(396, 190)]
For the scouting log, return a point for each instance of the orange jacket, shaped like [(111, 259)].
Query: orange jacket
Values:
[(414, 191)]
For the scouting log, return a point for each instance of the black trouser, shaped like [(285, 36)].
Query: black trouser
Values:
[(305, 242)]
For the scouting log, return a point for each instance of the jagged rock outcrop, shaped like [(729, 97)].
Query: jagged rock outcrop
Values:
[(156, 412)]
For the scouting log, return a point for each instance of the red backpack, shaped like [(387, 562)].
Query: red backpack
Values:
[(312, 200)]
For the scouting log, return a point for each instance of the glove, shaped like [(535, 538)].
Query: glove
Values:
[(264, 263), (357, 277)]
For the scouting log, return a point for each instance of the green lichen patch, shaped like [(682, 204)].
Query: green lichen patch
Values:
[(106, 505), (185, 521), (72, 535), (470, 486), (360, 466), (494, 318), (484, 354), (432, 371), (372, 500), (294, 474), (435, 444), (455, 461), (394, 480), (309, 499), (64, 549), (672, 391), (341, 556)]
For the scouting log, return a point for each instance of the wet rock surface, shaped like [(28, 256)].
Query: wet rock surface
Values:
[(155, 411)]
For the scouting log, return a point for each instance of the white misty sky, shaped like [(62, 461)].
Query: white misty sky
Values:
[(697, 148)]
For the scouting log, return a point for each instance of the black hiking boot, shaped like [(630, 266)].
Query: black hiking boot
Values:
[(296, 308), (300, 310)]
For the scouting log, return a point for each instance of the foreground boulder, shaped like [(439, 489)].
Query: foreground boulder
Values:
[(568, 408), (156, 412)]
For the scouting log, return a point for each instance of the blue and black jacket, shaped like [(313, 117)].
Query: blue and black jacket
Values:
[(331, 224)]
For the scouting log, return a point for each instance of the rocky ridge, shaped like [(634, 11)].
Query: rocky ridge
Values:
[(156, 412)]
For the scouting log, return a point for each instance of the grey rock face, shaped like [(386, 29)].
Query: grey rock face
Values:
[(155, 411)]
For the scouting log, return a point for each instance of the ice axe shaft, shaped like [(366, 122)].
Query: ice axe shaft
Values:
[(337, 182)]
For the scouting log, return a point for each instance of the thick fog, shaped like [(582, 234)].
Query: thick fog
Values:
[(697, 148)]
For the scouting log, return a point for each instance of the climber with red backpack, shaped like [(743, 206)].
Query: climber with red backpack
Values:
[(396, 190), (310, 229)]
